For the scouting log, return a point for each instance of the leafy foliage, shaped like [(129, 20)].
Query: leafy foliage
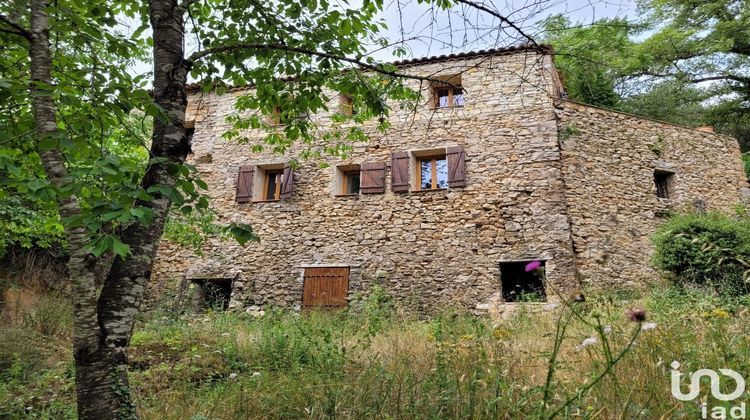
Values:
[(706, 249)]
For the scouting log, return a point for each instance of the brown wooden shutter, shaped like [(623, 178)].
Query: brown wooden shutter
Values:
[(456, 166), (244, 193), (325, 287), (400, 172), (372, 178), (288, 182)]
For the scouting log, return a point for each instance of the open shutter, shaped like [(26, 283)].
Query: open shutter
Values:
[(400, 172), (244, 192), (372, 178), (456, 166), (288, 182)]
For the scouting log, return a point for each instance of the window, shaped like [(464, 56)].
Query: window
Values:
[(448, 94), (212, 295), (267, 182), (272, 188), (346, 105), (275, 117), (347, 181), (351, 183), (523, 281), (432, 172), (663, 181)]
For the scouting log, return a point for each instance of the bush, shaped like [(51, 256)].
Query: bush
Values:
[(707, 250)]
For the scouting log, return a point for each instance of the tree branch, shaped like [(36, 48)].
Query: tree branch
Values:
[(254, 46), (721, 77), (19, 30), (503, 19)]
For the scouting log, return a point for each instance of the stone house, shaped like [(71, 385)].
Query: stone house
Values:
[(491, 172)]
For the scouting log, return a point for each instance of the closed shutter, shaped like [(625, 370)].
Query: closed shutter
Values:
[(400, 172), (325, 287), (372, 178), (456, 166), (244, 193), (288, 182)]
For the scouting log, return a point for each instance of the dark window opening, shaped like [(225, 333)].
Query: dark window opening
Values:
[(272, 189), (522, 281), (351, 182), (189, 137), (212, 295), (662, 180)]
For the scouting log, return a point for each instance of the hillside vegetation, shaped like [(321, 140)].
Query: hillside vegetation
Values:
[(377, 361)]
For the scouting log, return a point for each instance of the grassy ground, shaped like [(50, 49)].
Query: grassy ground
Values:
[(379, 362)]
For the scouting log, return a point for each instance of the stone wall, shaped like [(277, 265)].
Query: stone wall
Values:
[(545, 179), (609, 160), (425, 248)]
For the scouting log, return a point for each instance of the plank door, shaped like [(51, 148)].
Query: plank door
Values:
[(325, 287)]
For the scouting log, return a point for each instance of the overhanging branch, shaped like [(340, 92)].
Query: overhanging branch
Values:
[(255, 46), (502, 19), (17, 28)]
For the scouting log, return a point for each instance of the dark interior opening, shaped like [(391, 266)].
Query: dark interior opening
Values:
[(212, 294), (662, 179), (520, 285)]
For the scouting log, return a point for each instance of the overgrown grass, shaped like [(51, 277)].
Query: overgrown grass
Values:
[(379, 362)]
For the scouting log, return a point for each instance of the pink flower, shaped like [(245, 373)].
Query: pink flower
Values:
[(533, 265), (636, 314)]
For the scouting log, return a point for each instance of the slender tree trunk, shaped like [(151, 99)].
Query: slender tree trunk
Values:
[(94, 378), (102, 327), (122, 294)]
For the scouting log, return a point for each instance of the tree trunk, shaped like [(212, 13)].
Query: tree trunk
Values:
[(93, 376), (102, 327), (122, 294)]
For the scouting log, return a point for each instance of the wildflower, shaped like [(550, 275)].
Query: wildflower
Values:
[(636, 314), (719, 313), (607, 329), (500, 333), (586, 343), (256, 373), (232, 375), (533, 265), (648, 326)]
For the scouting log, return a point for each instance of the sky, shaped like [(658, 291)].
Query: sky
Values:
[(426, 31)]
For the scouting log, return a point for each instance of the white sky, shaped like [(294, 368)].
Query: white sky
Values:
[(433, 32)]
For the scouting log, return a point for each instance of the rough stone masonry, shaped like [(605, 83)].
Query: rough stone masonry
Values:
[(545, 179)]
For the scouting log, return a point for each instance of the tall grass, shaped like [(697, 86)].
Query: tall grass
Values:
[(378, 361)]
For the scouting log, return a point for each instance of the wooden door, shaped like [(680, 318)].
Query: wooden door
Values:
[(325, 287)]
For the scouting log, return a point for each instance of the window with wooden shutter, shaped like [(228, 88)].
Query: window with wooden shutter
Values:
[(287, 182), (456, 166), (372, 178), (244, 193), (400, 172)]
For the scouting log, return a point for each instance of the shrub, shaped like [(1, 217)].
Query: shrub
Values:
[(706, 249)]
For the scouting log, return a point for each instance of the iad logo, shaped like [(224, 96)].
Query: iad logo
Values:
[(736, 412)]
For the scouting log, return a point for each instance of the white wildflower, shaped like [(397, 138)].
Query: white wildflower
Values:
[(232, 375), (587, 342), (607, 329), (648, 326), (225, 334), (256, 373)]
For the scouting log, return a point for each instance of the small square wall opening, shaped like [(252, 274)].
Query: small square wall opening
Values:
[(664, 181), (212, 295), (523, 281)]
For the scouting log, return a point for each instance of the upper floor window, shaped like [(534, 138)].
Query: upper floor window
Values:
[(449, 93), (271, 182), (346, 105), (272, 188), (433, 172)]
